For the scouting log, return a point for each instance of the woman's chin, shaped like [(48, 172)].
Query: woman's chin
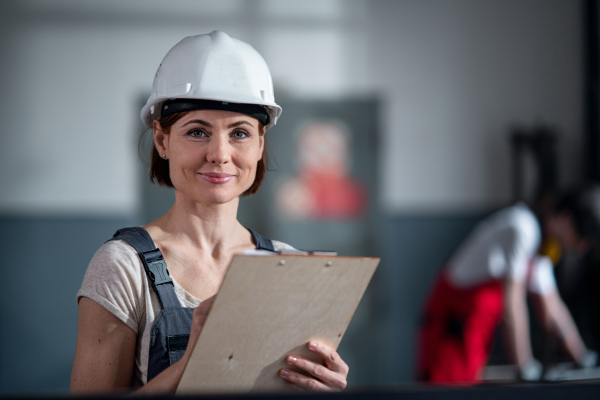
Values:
[(218, 197)]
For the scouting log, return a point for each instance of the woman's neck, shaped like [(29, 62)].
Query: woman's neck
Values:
[(212, 228), (198, 243)]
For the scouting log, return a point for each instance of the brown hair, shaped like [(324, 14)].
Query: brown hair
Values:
[(159, 167)]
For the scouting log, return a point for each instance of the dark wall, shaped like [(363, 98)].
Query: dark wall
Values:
[(43, 263), (413, 249)]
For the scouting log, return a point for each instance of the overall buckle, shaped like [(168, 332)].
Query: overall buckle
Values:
[(156, 267)]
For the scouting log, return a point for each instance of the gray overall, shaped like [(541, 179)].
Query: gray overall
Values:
[(170, 332)]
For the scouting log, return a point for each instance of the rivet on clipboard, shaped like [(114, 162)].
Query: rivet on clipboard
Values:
[(282, 262), (329, 264)]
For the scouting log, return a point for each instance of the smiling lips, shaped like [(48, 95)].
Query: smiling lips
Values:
[(216, 177)]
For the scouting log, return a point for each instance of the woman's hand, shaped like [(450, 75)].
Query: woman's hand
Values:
[(328, 375)]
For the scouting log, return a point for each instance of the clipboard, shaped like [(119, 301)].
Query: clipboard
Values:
[(270, 306)]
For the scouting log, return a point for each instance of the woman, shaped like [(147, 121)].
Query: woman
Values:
[(211, 104)]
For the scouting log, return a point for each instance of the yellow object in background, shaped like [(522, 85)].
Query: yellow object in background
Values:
[(551, 249)]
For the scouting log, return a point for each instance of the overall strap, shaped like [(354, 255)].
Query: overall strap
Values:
[(262, 243), (154, 264)]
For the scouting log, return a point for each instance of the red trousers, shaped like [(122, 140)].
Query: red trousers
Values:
[(456, 337)]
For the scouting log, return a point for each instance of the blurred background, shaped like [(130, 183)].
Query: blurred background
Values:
[(421, 104)]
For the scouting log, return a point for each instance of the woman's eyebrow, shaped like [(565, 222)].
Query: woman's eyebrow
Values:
[(208, 124), (238, 123), (198, 121)]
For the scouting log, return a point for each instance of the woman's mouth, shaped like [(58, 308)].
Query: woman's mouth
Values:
[(216, 177)]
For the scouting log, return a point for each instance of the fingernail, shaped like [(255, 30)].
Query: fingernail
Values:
[(292, 360), (312, 345), (284, 373)]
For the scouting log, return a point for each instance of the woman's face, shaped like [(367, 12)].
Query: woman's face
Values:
[(212, 154)]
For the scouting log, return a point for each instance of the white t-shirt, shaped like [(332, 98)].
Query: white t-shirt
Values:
[(502, 247), (542, 279), (115, 279)]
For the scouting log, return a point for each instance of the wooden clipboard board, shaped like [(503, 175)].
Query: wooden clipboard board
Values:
[(270, 306)]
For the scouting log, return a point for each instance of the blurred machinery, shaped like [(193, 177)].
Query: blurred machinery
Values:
[(534, 164)]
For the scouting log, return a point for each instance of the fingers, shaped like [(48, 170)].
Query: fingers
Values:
[(300, 381), (329, 375), (330, 357)]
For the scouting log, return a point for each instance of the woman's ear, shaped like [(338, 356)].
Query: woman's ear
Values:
[(161, 141)]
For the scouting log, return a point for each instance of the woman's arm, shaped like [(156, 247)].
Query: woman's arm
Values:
[(329, 375), (105, 353)]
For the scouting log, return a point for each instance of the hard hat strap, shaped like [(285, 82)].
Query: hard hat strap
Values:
[(170, 107)]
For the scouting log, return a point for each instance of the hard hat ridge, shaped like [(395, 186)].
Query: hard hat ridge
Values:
[(213, 67)]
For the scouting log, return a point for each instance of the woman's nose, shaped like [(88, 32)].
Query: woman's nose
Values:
[(218, 151)]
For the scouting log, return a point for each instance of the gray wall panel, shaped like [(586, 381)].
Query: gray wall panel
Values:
[(44, 260), (413, 248)]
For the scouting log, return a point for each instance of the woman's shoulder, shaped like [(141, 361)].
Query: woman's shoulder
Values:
[(115, 280), (115, 260), (115, 252)]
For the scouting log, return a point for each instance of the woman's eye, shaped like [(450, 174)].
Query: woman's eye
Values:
[(240, 134), (197, 133)]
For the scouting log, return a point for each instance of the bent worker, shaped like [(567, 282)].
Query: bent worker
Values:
[(486, 281)]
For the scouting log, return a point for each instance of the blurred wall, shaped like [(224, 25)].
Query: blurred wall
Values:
[(451, 77)]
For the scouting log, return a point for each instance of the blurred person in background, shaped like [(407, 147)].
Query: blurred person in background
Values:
[(486, 281), (212, 102)]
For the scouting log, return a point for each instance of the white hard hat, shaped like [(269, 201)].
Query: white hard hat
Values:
[(212, 71)]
